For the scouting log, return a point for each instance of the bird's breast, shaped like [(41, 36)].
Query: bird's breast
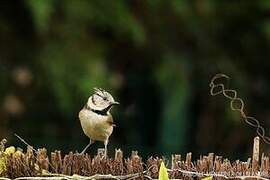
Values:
[(96, 127)]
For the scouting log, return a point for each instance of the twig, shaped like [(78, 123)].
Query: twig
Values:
[(21, 139), (28, 145)]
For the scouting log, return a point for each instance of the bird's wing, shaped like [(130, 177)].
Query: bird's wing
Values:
[(110, 120)]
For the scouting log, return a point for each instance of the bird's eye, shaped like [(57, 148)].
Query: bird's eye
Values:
[(105, 98)]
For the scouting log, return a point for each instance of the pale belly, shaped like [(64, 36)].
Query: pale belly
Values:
[(96, 127)]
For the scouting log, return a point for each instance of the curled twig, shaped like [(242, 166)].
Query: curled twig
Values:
[(236, 104)]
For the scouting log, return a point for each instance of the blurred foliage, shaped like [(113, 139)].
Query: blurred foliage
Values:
[(156, 57)]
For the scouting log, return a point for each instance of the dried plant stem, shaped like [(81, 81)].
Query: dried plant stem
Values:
[(31, 147), (21, 139)]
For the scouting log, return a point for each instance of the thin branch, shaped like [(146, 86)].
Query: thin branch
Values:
[(21, 139), (28, 145)]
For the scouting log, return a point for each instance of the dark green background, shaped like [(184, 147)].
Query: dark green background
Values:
[(156, 57)]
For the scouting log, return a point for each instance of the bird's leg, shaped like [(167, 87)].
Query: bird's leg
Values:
[(105, 144), (88, 145)]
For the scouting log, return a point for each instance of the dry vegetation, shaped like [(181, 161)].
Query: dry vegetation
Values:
[(38, 164)]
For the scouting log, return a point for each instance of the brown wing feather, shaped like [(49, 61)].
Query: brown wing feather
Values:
[(110, 120)]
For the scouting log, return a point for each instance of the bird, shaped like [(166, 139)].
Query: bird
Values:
[(96, 119)]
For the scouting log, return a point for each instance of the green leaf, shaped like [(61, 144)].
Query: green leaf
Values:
[(163, 174), (207, 178)]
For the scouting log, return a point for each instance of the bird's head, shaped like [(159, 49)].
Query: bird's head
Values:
[(101, 100)]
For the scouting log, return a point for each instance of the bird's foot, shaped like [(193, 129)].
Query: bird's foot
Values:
[(102, 153)]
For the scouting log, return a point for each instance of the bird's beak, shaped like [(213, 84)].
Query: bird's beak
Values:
[(115, 103)]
